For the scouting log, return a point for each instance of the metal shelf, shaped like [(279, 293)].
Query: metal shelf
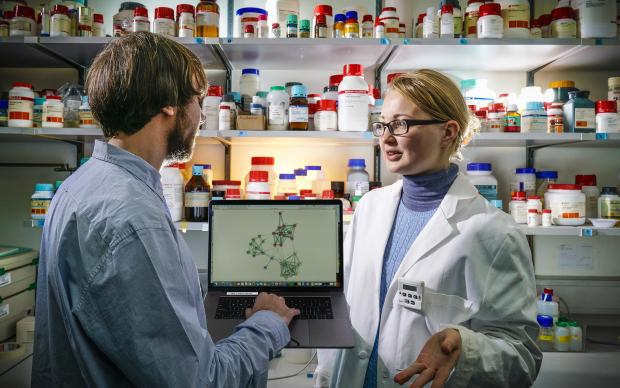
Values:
[(570, 231), (592, 55), (24, 52), (296, 137), (64, 133), (487, 139)]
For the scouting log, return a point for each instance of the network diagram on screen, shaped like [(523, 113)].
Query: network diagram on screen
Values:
[(280, 249)]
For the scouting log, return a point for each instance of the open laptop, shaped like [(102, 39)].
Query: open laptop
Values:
[(290, 248)]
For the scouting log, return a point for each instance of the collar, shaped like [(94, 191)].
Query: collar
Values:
[(131, 163), (425, 192)]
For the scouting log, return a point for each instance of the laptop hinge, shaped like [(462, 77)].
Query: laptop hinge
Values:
[(242, 293)]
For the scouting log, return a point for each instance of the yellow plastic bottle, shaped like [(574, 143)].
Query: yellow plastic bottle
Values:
[(207, 19)]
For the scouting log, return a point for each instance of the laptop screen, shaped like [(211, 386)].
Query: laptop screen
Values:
[(275, 244)]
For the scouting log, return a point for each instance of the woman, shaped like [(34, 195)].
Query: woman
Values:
[(476, 326)]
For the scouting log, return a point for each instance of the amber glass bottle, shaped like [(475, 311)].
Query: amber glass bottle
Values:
[(197, 195), (298, 109), (207, 19)]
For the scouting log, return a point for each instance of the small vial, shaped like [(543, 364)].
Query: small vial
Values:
[(321, 29), (532, 218), (379, 30), (546, 218), (224, 118), (291, 26), (447, 21), (367, 26), (304, 28), (339, 20), (276, 31), (351, 26), (248, 31)]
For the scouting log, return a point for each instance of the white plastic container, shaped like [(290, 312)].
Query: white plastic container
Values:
[(301, 179), (224, 118), (357, 177), (591, 191), (23, 21), (597, 19), (576, 337), (547, 221), (563, 24), (258, 186), (472, 14), (326, 117), (98, 27), (561, 339), (53, 112), (516, 15), (141, 20), (446, 29), (607, 119), (172, 184), (404, 11), (60, 25), (277, 109), (186, 23), (555, 118), (164, 21), (534, 118), (353, 100), (249, 15), (287, 185), (264, 163), (211, 108), (613, 85), (40, 200), (567, 204), (480, 95), (518, 207), (428, 27), (490, 23), (481, 176), (21, 103), (249, 85), (533, 218), (534, 203)]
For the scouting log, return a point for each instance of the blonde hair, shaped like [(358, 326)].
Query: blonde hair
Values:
[(437, 95)]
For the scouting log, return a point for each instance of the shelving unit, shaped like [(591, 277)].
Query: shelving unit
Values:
[(570, 231)]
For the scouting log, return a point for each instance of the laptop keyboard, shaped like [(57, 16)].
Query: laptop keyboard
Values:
[(311, 307)]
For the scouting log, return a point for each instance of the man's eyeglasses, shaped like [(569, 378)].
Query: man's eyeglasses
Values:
[(400, 127)]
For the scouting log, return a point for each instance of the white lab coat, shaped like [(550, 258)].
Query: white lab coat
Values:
[(479, 279)]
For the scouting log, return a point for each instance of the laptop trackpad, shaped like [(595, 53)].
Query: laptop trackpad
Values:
[(300, 333)]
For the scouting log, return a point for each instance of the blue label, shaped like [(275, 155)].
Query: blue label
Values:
[(463, 41), (602, 136), (243, 133), (487, 191), (385, 41)]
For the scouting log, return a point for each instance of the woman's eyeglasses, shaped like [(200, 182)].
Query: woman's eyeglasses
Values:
[(400, 127)]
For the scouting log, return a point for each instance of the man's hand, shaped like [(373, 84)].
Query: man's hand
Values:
[(435, 361), (272, 302)]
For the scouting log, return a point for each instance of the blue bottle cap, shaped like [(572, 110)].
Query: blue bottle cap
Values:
[(526, 170), (38, 101), (85, 100), (43, 187), (313, 168), (287, 176), (547, 175), (4, 104), (357, 163), (545, 320), (534, 105), (197, 169), (236, 97), (241, 11), (339, 18), (294, 198), (250, 71), (609, 190), (301, 172), (351, 15), (299, 91), (479, 167), (204, 166)]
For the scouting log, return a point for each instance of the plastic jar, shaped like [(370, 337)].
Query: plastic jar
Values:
[(223, 185), (613, 85), (249, 12), (563, 24), (512, 119), (164, 21), (211, 107), (534, 203), (277, 109), (516, 15), (545, 333), (357, 177), (576, 337), (314, 173), (23, 21), (609, 203), (367, 27), (543, 180), (224, 118), (185, 21), (59, 21), (249, 85), (353, 100), (328, 13), (37, 112), (533, 218), (40, 200), (21, 100), (561, 340), (567, 204), (535, 29), (472, 13), (579, 113), (98, 27), (287, 184), (524, 179), (534, 119), (264, 163), (446, 24), (555, 118), (301, 179), (495, 122), (207, 19), (546, 218), (518, 207), (597, 19), (53, 112), (490, 23), (607, 119), (258, 186), (298, 109), (481, 176), (172, 185), (591, 191), (141, 20)]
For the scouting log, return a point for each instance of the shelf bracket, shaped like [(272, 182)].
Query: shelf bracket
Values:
[(377, 163), (221, 56), (58, 167), (81, 69)]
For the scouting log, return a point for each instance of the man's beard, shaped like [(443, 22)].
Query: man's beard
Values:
[(181, 141)]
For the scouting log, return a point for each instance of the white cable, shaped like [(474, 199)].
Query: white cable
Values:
[(296, 374)]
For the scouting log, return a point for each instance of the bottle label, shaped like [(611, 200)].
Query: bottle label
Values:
[(516, 16), (20, 108), (555, 123), (141, 25), (4, 310), (21, 26), (164, 27), (326, 121), (197, 199), (86, 117), (207, 18), (512, 123), (52, 114), (534, 123), (60, 26), (487, 191), (39, 207), (458, 25), (471, 24), (173, 194), (564, 28), (298, 114), (277, 114), (610, 208), (585, 118), (321, 32), (607, 122)]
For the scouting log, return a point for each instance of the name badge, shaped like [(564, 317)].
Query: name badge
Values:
[(410, 294)]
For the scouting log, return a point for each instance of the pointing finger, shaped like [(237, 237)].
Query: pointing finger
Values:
[(406, 374)]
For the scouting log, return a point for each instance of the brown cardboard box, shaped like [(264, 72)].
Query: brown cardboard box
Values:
[(250, 123)]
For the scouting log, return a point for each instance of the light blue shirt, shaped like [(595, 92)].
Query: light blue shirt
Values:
[(118, 298)]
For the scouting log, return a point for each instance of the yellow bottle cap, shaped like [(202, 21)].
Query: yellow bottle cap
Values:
[(562, 84)]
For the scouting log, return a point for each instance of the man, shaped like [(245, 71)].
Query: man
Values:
[(118, 298)]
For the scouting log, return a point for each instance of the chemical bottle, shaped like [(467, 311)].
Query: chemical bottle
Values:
[(516, 15), (298, 109), (472, 13), (207, 19), (86, 115), (457, 15), (481, 176), (379, 29), (304, 28), (490, 22), (263, 28), (277, 109), (579, 113), (512, 119), (53, 112), (480, 95), (185, 21), (40, 200), (561, 337), (545, 333), (164, 22), (591, 191), (547, 306), (291, 26), (172, 184), (351, 26), (609, 203), (339, 21), (353, 100), (211, 106), (576, 337), (258, 185), (597, 19), (428, 29), (534, 119), (321, 30), (367, 26), (357, 177), (141, 20), (447, 22), (224, 118), (197, 195)]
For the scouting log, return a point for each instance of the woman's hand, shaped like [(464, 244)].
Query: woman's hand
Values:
[(435, 361)]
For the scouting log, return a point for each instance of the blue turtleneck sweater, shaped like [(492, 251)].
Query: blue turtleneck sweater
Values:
[(420, 198)]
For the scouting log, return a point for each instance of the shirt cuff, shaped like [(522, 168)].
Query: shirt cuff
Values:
[(464, 368), (271, 324)]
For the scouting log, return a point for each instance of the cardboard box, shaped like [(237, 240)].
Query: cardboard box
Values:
[(250, 123)]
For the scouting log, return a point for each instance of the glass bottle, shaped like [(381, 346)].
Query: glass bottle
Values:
[(207, 19), (321, 29), (196, 197), (304, 28), (339, 20), (291, 26), (298, 109), (351, 26)]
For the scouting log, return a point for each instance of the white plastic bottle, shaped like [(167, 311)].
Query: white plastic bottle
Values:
[(258, 185), (428, 27), (516, 15), (225, 118), (277, 109), (98, 27), (480, 95), (164, 21), (561, 341), (490, 23), (597, 19), (21, 104), (186, 24), (446, 29), (472, 13), (481, 176), (576, 337), (53, 112), (353, 100), (23, 21), (141, 20), (211, 107), (249, 85), (60, 24), (534, 118), (172, 184), (357, 177)]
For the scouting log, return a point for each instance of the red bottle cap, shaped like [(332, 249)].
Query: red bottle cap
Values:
[(164, 13), (472, 108), (226, 183), (248, 29), (489, 9), (586, 180), (275, 25), (305, 192), (533, 211), (141, 11), (329, 105), (188, 8), (481, 114), (564, 187), (259, 176), (98, 18), (388, 9), (391, 77), (498, 107), (335, 80), (173, 165), (215, 90), (262, 17), (421, 18), (447, 8), (536, 23), (225, 107), (24, 11), (605, 106), (323, 10), (379, 23), (545, 19), (547, 211), (561, 13), (328, 194), (353, 70), (321, 19), (231, 193), (53, 98), (21, 85), (519, 195), (533, 197), (367, 18), (263, 161)]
